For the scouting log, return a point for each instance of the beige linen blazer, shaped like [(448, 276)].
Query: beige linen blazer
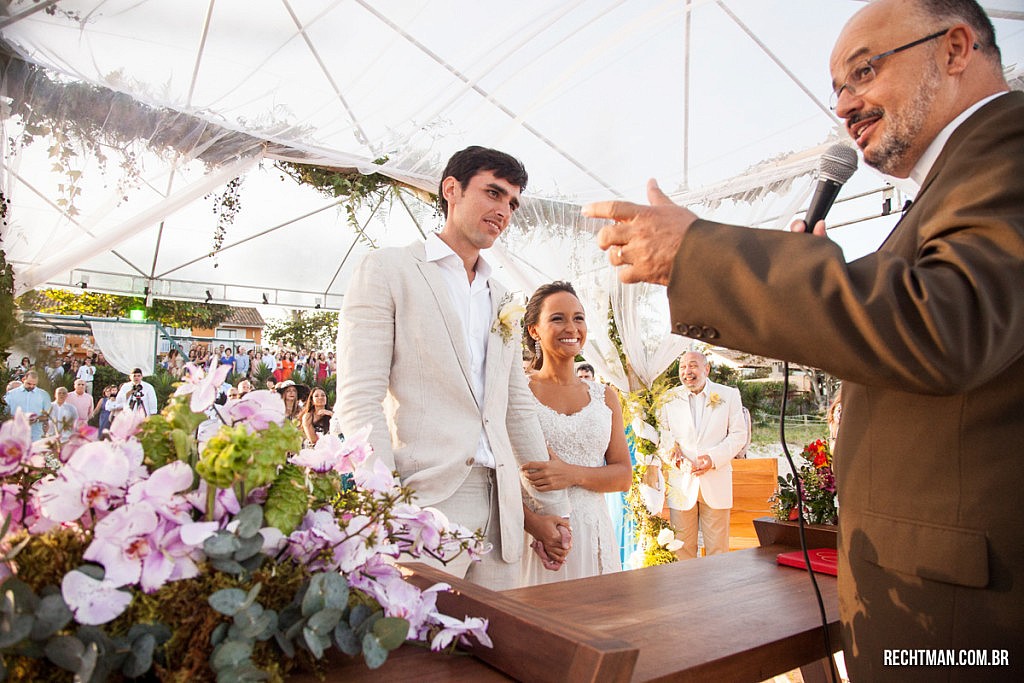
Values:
[(928, 336), (404, 369)]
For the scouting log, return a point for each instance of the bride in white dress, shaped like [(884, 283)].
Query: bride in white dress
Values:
[(582, 424)]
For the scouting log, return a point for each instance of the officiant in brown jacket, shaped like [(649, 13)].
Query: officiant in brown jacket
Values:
[(927, 334)]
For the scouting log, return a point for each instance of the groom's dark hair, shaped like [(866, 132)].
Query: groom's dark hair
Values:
[(467, 163)]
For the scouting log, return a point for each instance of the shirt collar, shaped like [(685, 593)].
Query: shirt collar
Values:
[(436, 249), (931, 153)]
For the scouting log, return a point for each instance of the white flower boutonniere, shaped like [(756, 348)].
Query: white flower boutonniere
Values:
[(714, 400), (510, 312)]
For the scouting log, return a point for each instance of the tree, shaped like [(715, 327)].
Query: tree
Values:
[(164, 311), (304, 330)]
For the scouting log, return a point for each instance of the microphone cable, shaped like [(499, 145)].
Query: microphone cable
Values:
[(800, 524)]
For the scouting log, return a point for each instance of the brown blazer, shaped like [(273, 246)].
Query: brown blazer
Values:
[(928, 334), (404, 368)]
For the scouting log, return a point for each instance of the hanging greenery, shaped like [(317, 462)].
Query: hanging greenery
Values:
[(8, 321), (358, 189), (641, 407), (164, 311), (226, 207)]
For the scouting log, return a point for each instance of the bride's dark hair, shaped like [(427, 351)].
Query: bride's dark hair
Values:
[(532, 316)]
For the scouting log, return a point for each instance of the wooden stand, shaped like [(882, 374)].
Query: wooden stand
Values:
[(771, 531)]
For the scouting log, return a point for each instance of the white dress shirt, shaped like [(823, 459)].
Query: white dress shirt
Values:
[(472, 302)]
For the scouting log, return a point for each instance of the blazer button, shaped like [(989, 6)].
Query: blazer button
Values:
[(681, 328), (710, 332), (693, 331), (470, 461)]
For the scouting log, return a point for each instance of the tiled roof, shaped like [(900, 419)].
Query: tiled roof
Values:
[(244, 317)]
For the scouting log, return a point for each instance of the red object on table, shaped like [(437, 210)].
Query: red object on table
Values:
[(823, 560)]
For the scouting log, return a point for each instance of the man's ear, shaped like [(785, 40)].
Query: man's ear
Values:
[(450, 187), (961, 42)]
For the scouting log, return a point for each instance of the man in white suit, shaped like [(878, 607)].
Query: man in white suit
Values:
[(426, 359), (703, 429)]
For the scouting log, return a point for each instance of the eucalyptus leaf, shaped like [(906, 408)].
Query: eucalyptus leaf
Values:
[(315, 642), (358, 615), (286, 645), (391, 631), (346, 640), (254, 592), (93, 571), (221, 544), (335, 591), (65, 651), (219, 634), (14, 629), (229, 654), (52, 615), (88, 664), (250, 519), (248, 547), (21, 596), (227, 566), (374, 653), (324, 621), (228, 601), (140, 659)]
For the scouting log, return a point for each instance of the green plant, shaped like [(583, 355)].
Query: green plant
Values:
[(815, 486)]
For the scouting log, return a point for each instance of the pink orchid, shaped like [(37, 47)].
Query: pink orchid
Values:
[(374, 477), (453, 628), (162, 491), (225, 502), (92, 601), (331, 453), (401, 599), (15, 443), (419, 528), (125, 424), (96, 477), (256, 410), (201, 385), (122, 542)]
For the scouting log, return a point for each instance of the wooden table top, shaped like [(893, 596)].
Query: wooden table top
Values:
[(737, 616)]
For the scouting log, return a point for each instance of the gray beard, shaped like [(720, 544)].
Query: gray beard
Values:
[(904, 127)]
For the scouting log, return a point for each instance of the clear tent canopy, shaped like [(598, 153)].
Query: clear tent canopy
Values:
[(124, 121)]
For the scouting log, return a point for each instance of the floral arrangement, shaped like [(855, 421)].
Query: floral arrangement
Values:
[(817, 483), (189, 547), (510, 312)]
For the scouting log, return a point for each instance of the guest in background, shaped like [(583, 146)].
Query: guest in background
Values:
[(242, 363), (316, 417), (287, 365), (54, 370), (87, 373), (703, 429), (63, 416), (136, 395), (83, 403), (104, 407), (23, 367), (833, 416), (585, 371), (293, 396), (244, 387), (32, 400)]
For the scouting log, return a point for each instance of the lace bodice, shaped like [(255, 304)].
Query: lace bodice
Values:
[(580, 438)]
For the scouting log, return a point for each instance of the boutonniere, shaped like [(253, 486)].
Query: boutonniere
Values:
[(714, 400), (510, 312)]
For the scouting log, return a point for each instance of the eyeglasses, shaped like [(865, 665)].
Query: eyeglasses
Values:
[(861, 76)]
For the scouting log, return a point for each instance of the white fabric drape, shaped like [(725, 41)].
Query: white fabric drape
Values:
[(126, 346), (642, 317)]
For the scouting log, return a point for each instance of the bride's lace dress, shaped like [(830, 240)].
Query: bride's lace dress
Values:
[(580, 439)]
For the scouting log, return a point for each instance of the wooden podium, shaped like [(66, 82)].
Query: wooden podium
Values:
[(732, 617)]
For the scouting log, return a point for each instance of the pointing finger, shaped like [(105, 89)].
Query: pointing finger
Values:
[(615, 211)]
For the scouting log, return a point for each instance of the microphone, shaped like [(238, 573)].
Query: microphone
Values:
[(836, 166)]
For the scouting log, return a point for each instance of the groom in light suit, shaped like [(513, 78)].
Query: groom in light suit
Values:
[(703, 429), (427, 359)]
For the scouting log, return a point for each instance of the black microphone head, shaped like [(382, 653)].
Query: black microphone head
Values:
[(838, 163)]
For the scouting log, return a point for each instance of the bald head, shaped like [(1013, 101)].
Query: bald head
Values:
[(904, 69)]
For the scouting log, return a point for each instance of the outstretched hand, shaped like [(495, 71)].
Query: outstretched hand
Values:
[(644, 240)]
